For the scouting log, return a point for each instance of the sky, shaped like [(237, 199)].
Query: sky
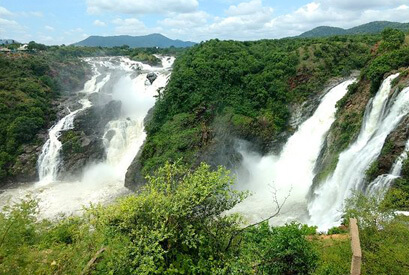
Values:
[(69, 21)]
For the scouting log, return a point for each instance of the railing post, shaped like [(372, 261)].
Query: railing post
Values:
[(356, 248)]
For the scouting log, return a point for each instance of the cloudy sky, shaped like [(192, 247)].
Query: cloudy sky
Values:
[(68, 21)]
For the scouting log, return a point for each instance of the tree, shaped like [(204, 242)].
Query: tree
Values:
[(392, 39), (33, 46)]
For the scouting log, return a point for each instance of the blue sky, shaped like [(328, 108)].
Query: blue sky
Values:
[(58, 22)]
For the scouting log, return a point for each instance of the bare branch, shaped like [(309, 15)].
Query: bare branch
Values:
[(279, 206)]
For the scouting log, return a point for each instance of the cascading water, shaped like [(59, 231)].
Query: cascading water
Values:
[(49, 160), (381, 184), (379, 121), (291, 173), (123, 80)]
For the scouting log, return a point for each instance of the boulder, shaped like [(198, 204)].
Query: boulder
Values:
[(151, 77)]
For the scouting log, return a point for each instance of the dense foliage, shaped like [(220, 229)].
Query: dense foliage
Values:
[(383, 234), (390, 54), (250, 84), (176, 225), (31, 81), (28, 85)]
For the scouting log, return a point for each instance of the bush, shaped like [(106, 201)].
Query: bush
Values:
[(176, 224), (383, 235), (277, 250)]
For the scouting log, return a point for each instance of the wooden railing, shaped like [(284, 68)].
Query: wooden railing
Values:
[(356, 248)]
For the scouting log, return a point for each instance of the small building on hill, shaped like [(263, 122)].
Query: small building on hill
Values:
[(4, 50), (23, 47)]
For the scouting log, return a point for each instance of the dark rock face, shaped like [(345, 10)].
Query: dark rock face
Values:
[(25, 168), (134, 178), (92, 121), (85, 143), (394, 146), (151, 77)]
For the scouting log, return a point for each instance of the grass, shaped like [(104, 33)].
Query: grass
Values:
[(334, 252)]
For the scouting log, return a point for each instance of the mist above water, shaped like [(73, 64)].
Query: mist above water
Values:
[(289, 175)]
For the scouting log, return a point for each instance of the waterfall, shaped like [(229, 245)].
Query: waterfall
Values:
[(128, 131), (120, 79), (49, 160), (290, 173), (349, 175), (381, 184)]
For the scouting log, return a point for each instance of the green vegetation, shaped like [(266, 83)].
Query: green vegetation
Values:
[(334, 254), (176, 225), (28, 85), (369, 28), (251, 84), (383, 234), (388, 55), (398, 194)]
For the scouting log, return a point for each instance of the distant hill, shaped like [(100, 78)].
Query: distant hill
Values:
[(7, 41), (146, 41), (372, 27)]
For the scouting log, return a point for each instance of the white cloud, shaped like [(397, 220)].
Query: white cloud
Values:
[(245, 8), (49, 28), (31, 13), (253, 19), (400, 13), (99, 23), (7, 27), (5, 12), (142, 6), (321, 13), (185, 20), (362, 4), (242, 21), (132, 26)]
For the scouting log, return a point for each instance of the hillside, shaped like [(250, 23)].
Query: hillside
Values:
[(369, 28), (248, 98), (7, 41), (180, 221), (146, 41)]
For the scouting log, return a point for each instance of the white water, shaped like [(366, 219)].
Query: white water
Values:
[(49, 160), (381, 184), (326, 208), (104, 181), (290, 173)]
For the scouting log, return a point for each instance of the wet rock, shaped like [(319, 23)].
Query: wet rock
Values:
[(84, 144), (110, 134), (151, 77), (394, 145), (98, 99), (25, 168), (134, 178), (93, 120)]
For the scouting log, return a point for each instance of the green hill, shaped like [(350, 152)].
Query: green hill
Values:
[(146, 41), (369, 28)]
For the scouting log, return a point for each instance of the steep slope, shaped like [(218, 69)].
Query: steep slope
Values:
[(370, 132), (146, 41), (30, 87), (369, 28)]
